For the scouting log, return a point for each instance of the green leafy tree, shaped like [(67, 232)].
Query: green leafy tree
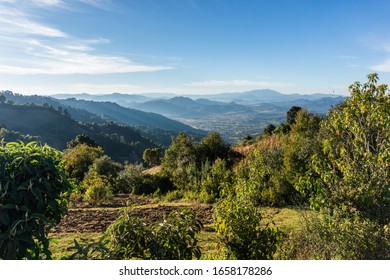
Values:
[(130, 237), (82, 139), (152, 156), (269, 129), (105, 167), (264, 171), (212, 147), (34, 195), (77, 160), (300, 145), (352, 187), (291, 114), (216, 179), (355, 165), (130, 179), (98, 189), (240, 226), (177, 159)]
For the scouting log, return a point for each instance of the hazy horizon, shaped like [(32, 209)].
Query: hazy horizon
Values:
[(172, 94)]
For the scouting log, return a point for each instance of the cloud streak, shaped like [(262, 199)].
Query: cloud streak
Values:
[(29, 46), (382, 67)]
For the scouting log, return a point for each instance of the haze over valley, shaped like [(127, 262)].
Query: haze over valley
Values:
[(233, 115)]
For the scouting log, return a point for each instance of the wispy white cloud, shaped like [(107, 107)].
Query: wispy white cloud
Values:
[(380, 44), (31, 46), (100, 4), (47, 2), (16, 22), (347, 57), (382, 67), (236, 83)]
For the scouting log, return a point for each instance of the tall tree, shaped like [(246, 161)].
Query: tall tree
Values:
[(291, 114), (352, 187), (212, 147), (178, 158)]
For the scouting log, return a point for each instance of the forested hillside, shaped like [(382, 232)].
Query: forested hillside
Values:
[(153, 126), (56, 128)]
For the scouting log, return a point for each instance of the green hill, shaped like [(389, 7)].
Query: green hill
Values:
[(57, 128)]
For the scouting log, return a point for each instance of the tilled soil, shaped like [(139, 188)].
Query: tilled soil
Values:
[(98, 220)]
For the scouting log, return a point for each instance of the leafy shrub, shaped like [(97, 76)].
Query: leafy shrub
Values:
[(334, 237), (216, 178), (152, 183), (98, 190), (109, 169), (130, 179), (242, 234), (349, 183), (239, 224), (105, 166), (178, 159), (264, 171), (152, 156), (77, 160), (34, 194), (175, 238)]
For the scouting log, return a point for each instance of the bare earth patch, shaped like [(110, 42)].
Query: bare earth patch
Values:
[(89, 219)]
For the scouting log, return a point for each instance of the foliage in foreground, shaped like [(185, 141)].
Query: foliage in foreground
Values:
[(349, 183), (242, 233), (175, 238), (34, 194), (240, 225)]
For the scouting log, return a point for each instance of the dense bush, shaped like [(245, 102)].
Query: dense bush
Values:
[(156, 182), (130, 179), (78, 159), (34, 194), (350, 183), (264, 171), (175, 238), (98, 189), (152, 156), (215, 180), (188, 164), (178, 158), (241, 230)]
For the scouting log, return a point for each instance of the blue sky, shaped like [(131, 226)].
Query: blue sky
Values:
[(191, 46)]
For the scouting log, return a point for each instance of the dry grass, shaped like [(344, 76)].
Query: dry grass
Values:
[(269, 142), (153, 170)]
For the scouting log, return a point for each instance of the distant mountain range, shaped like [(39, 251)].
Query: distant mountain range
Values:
[(247, 97), (233, 115)]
